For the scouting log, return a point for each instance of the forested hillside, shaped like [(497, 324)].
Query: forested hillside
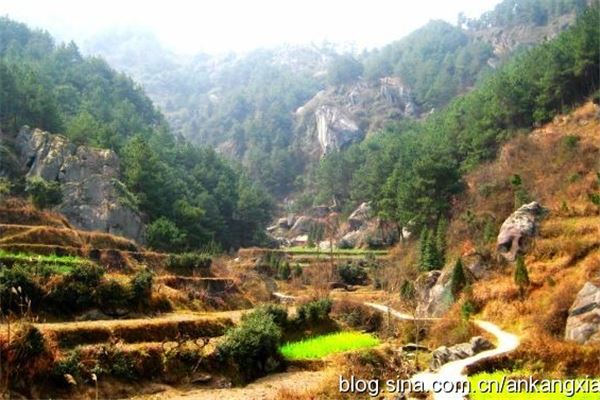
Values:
[(245, 105), (189, 196), (413, 172)]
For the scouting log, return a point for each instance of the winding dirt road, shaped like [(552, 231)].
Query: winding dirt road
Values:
[(449, 382)]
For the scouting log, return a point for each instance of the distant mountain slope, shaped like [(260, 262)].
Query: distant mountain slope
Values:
[(245, 106)]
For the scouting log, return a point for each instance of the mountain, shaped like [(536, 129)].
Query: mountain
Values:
[(280, 110), (186, 196)]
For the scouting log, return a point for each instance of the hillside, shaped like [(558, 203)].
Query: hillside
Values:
[(278, 111), (107, 155)]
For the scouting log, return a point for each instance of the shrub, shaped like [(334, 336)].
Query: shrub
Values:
[(284, 272), (42, 193), (277, 313), (521, 275), (88, 274), (570, 142), (28, 355), (141, 288), (352, 274), (112, 297), (252, 348), (19, 291), (358, 315), (297, 271), (313, 312), (188, 262), (68, 296), (163, 234)]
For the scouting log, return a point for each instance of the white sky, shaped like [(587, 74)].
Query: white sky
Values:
[(218, 26)]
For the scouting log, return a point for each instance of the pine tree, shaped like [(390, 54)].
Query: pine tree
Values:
[(407, 290), (521, 275), (424, 243), (284, 271), (489, 231), (458, 280), (440, 242)]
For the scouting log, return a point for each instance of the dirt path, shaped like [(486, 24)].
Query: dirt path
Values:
[(449, 382), (266, 388)]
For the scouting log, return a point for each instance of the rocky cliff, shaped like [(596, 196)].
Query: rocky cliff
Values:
[(339, 116), (93, 196)]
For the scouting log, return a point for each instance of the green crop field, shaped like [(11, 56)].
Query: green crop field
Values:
[(507, 394), (321, 346), (336, 252)]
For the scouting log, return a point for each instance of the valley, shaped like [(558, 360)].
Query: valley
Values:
[(302, 222)]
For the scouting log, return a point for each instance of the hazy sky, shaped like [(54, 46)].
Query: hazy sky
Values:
[(223, 25)]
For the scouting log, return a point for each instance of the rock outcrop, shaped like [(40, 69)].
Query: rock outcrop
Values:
[(583, 323), (433, 292), (443, 354), (92, 194), (338, 116), (335, 129), (519, 229)]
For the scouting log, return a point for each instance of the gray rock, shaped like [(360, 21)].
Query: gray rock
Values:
[(518, 230), (88, 177), (583, 322), (412, 347), (335, 129), (443, 354), (359, 217), (433, 290)]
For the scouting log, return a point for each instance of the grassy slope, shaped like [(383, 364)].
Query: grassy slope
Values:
[(565, 255)]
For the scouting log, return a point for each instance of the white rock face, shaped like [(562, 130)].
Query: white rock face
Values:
[(88, 179), (335, 129)]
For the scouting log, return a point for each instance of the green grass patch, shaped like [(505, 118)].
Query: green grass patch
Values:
[(321, 346), (340, 252), (52, 259), (509, 393)]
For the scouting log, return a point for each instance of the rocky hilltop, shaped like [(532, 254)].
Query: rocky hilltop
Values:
[(93, 198)]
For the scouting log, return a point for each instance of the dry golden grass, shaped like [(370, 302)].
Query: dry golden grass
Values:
[(136, 330)]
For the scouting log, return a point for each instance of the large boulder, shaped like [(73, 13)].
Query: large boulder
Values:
[(359, 217), (583, 323), (433, 292), (443, 354), (93, 196), (518, 230), (303, 225)]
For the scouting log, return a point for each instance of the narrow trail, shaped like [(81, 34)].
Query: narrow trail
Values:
[(449, 382)]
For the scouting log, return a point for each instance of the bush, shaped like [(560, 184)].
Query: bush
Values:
[(352, 274), (113, 297), (276, 312), (43, 194), (19, 291), (297, 271), (188, 262), (252, 348), (87, 274), (284, 272), (68, 296), (163, 234), (357, 315), (141, 288), (313, 312)]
